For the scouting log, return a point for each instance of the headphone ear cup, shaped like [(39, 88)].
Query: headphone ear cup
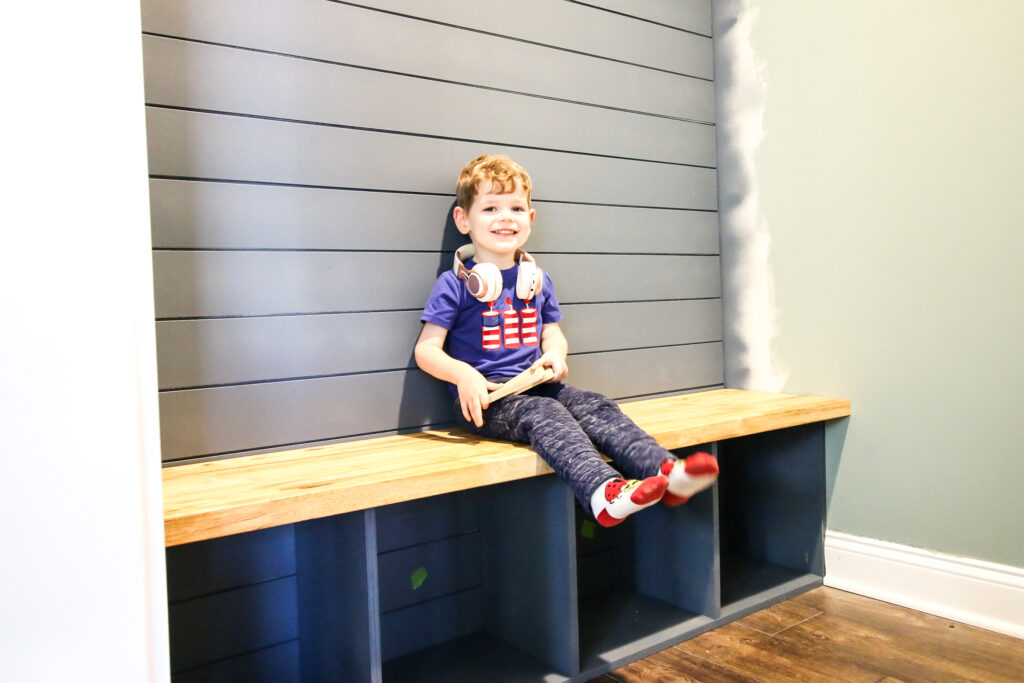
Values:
[(484, 282), (528, 283)]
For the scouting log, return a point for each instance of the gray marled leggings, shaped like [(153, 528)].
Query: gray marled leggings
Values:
[(564, 425)]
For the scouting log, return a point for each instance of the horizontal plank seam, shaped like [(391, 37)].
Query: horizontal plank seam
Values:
[(670, 392), (436, 598), (358, 373), (343, 188), (415, 134), (315, 443), (336, 440), (407, 430), (527, 41), (440, 539), (596, 551), (433, 79), (231, 589), (240, 655), (639, 18), (407, 310), (335, 250)]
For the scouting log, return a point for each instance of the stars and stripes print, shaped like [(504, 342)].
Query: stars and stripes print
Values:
[(519, 328), (491, 330), (511, 325), (529, 326)]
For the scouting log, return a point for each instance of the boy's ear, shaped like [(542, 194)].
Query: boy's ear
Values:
[(459, 214)]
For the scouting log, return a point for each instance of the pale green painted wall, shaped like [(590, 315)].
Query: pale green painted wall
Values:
[(891, 181)]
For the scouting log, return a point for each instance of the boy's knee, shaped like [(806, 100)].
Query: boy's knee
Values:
[(546, 408), (591, 401), (540, 414)]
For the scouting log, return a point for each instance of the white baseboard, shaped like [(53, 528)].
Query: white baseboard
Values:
[(982, 594)]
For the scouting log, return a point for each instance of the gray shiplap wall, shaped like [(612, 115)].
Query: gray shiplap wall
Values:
[(303, 156)]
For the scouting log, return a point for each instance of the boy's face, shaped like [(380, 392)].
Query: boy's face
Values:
[(498, 224)]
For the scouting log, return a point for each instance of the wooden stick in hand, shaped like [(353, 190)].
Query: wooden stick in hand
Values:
[(529, 378)]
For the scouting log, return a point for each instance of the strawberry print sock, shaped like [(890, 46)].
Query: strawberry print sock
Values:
[(688, 477), (616, 499)]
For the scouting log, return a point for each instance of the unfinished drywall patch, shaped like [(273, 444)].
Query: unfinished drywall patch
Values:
[(751, 317)]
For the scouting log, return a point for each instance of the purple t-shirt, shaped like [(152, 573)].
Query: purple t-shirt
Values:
[(500, 339)]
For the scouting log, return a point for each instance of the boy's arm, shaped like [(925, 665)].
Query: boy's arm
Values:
[(555, 348), (432, 359)]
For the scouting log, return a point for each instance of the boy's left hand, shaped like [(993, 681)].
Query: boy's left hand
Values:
[(555, 361)]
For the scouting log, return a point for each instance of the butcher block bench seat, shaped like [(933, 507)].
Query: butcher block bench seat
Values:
[(219, 498)]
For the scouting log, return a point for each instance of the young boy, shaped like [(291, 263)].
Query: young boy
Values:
[(480, 329)]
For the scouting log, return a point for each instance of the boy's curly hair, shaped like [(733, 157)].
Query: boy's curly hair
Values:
[(499, 170)]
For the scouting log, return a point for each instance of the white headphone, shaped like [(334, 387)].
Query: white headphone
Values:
[(483, 282)]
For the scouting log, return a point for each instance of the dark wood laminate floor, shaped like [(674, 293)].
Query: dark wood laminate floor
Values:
[(831, 635)]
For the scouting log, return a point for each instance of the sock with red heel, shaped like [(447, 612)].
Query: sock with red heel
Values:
[(616, 499), (689, 476)]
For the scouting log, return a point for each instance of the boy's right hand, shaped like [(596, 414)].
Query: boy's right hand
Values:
[(473, 389)]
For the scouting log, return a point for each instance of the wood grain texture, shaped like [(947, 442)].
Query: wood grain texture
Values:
[(906, 644), (218, 498), (829, 635), (527, 379), (674, 666), (779, 617)]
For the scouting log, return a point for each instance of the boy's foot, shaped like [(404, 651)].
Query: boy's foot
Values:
[(687, 477), (617, 499)]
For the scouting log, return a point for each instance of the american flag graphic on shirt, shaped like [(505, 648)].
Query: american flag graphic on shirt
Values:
[(529, 326), (491, 329), (511, 325)]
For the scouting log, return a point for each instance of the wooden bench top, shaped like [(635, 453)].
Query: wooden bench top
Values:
[(218, 498)]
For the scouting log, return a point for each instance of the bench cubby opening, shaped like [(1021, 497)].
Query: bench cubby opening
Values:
[(771, 516), (650, 579), (477, 585), (336, 572)]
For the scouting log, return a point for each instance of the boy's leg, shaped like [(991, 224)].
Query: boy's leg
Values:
[(557, 437), (551, 431), (634, 451)]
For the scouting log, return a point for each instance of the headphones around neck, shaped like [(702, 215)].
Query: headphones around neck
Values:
[(483, 282)]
